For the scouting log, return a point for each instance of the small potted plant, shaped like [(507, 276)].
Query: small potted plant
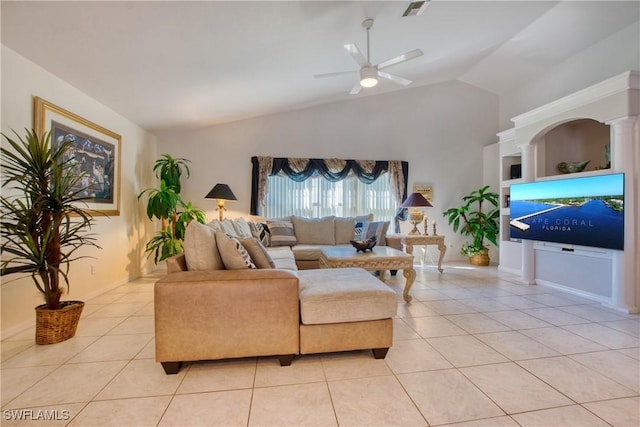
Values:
[(472, 220), (165, 204), (43, 226)]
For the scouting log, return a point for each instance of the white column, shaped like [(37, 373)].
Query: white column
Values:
[(528, 254), (624, 156)]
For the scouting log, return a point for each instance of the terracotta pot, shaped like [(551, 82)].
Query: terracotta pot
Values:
[(54, 326), (481, 259)]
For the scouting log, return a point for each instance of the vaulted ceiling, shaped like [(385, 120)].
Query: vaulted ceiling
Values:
[(179, 64)]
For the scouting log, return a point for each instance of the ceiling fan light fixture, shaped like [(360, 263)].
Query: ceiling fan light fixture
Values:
[(368, 77)]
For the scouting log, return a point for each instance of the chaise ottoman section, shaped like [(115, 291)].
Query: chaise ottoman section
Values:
[(345, 309)]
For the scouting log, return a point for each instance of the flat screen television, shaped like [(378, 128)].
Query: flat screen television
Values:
[(585, 211)]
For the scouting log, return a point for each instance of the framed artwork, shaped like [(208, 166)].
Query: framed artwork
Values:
[(425, 190), (96, 152)]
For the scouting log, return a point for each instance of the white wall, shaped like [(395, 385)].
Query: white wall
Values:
[(440, 130), (616, 54), (122, 237)]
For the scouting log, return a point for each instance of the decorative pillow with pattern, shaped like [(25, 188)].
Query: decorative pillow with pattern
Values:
[(378, 229), (357, 230), (233, 254), (282, 233), (261, 232)]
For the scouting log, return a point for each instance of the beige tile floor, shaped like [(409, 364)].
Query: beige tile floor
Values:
[(474, 348)]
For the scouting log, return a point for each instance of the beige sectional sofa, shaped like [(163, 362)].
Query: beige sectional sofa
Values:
[(204, 311), (313, 233)]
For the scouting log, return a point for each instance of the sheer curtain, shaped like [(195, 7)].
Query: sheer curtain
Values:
[(332, 170), (318, 197)]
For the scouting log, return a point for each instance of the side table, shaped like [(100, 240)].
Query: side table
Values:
[(411, 240)]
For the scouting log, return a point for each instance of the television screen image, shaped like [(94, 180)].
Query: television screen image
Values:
[(585, 211)]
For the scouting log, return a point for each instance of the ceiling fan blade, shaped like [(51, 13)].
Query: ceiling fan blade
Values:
[(338, 73), (396, 79), (400, 58), (356, 89), (357, 55)]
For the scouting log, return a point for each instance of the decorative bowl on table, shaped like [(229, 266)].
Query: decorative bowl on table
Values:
[(364, 245)]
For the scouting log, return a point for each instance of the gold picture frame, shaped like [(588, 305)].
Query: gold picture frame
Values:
[(96, 150), (426, 191)]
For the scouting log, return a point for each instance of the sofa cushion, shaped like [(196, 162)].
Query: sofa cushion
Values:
[(282, 233), (282, 257), (233, 254), (345, 228), (378, 229), (314, 231), (339, 295), (200, 248), (257, 252)]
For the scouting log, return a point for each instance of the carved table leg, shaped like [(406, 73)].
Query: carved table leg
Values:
[(408, 248), (410, 275), (442, 248)]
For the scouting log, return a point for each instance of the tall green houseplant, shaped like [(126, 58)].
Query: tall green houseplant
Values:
[(478, 217), (44, 222), (165, 204)]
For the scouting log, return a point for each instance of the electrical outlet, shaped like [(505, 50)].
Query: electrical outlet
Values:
[(93, 270)]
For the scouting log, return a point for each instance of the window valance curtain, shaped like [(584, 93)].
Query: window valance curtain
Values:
[(300, 169)]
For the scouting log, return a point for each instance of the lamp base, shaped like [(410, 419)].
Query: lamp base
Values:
[(415, 218), (221, 209)]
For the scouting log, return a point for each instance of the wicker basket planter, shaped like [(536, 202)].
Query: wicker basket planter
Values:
[(481, 259), (54, 326)]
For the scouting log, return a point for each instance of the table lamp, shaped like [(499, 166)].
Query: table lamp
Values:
[(221, 192), (415, 201)]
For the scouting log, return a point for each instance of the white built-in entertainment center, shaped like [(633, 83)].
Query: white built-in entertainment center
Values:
[(575, 128)]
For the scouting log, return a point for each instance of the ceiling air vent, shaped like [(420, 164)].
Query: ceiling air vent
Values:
[(416, 8)]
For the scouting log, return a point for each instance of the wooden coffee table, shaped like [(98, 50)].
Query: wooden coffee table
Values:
[(381, 259)]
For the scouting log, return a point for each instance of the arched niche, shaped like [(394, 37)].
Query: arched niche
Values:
[(562, 145), (610, 109)]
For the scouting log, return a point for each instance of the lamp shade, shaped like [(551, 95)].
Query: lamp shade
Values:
[(221, 192), (415, 200)]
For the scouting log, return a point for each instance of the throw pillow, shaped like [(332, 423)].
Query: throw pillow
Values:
[(357, 230), (378, 229), (215, 224), (360, 220), (200, 248), (282, 233), (233, 254), (260, 232), (228, 228), (241, 227), (257, 252)]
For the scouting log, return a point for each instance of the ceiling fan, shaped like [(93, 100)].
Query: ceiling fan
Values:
[(369, 73)]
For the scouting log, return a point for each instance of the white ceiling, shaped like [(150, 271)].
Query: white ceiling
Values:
[(178, 64)]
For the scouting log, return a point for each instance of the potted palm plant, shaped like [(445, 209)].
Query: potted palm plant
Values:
[(474, 218), (43, 226), (165, 204)]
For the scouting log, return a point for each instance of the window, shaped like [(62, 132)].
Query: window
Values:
[(318, 197)]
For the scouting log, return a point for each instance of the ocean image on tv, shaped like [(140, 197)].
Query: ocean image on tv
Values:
[(587, 211)]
